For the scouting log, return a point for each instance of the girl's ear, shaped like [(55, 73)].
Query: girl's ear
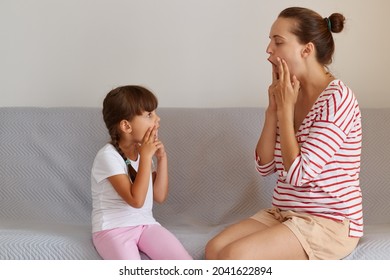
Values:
[(308, 50), (125, 126)]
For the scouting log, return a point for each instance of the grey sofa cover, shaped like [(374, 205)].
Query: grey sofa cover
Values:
[(47, 154)]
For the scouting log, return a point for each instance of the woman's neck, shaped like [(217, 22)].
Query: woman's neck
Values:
[(315, 83), (310, 90)]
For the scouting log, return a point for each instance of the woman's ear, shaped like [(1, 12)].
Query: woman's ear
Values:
[(125, 126), (308, 50)]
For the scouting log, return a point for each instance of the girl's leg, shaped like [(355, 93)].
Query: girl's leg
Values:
[(230, 235), (118, 244), (160, 244)]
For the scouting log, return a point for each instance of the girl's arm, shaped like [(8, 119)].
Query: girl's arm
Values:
[(135, 193), (160, 177)]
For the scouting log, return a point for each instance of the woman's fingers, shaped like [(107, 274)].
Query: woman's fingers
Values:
[(296, 84), (280, 69), (274, 75), (286, 72)]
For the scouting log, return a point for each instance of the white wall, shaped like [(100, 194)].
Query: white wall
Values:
[(191, 53)]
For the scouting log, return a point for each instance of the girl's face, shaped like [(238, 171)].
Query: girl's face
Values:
[(141, 123), (284, 45)]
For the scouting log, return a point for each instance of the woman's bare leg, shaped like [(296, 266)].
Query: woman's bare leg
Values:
[(231, 234), (276, 242)]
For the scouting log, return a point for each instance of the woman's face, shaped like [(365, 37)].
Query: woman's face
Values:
[(284, 44)]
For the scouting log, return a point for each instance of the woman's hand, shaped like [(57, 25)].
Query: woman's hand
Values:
[(286, 92), (271, 96), (283, 90)]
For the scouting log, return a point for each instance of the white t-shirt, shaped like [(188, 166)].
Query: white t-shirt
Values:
[(109, 210)]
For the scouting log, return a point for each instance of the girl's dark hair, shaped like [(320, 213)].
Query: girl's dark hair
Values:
[(124, 103), (312, 27)]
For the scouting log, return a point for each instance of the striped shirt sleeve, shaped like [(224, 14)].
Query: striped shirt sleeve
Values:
[(327, 134), (265, 169)]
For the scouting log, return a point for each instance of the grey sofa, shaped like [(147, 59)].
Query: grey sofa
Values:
[(47, 153)]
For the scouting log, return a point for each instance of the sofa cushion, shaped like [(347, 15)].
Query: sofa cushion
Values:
[(28, 240), (47, 154)]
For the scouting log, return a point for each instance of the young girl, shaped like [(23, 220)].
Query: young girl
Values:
[(312, 139), (124, 184)]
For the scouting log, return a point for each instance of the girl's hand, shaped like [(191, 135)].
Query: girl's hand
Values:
[(150, 144), (160, 153), (283, 90)]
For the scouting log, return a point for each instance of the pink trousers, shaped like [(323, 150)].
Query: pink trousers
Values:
[(126, 243)]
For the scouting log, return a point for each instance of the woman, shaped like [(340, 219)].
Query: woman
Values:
[(312, 139)]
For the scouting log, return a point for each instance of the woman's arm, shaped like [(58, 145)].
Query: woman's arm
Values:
[(288, 142), (286, 92), (266, 145)]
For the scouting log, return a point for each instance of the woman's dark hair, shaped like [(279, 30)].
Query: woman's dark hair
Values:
[(312, 27), (124, 103)]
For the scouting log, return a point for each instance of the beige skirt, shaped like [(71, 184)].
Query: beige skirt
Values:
[(321, 238)]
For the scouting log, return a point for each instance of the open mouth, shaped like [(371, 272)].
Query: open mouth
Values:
[(270, 61), (156, 136)]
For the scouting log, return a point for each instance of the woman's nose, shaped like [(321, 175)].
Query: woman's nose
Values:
[(268, 49)]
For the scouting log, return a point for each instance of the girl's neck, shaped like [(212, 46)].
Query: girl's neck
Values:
[(130, 150)]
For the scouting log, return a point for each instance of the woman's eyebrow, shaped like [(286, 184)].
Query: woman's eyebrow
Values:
[(276, 36)]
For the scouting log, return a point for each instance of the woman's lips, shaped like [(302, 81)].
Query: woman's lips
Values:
[(270, 61)]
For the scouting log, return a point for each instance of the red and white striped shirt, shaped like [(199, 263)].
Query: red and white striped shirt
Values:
[(324, 179)]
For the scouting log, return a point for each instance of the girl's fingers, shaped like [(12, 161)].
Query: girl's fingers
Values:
[(147, 134), (154, 133)]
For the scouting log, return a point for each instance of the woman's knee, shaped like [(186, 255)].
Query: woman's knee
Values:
[(227, 253), (212, 248)]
